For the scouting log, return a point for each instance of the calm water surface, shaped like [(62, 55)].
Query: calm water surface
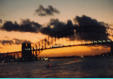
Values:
[(67, 67)]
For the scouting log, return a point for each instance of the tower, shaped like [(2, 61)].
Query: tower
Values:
[(26, 51), (111, 48)]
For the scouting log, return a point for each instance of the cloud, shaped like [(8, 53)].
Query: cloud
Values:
[(57, 28), (50, 10), (18, 41), (6, 42), (14, 41), (86, 29), (30, 26), (90, 29), (25, 26)]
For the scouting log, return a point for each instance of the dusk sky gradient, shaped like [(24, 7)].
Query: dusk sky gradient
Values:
[(101, 10), (16, 10)]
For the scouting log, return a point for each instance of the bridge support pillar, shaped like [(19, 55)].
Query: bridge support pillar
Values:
[(26, 51), (111, 48)]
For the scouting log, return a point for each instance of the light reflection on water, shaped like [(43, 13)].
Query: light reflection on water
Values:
[(68, 67)]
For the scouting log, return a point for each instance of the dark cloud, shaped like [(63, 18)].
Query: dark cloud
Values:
[(30, 26), (50, 10), (90, 29), (6, 42), (14, 41), (25, 26), (57, 28), (87, 28), (18, 41)]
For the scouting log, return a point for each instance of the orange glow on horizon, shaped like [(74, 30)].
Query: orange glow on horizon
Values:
[(75, 51), (67, 51)]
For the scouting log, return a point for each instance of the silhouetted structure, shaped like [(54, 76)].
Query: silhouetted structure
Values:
[(112, 48), (26, 51), (31, 53)]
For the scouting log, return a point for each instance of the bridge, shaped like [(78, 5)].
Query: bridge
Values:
[(31, 51)]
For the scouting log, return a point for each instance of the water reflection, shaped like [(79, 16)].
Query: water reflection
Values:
[(68, 67)]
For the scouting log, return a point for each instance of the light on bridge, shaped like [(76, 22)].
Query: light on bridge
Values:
[(27, 49), (95, 42), (108, 40), (104, 41), (52, 26), (99, 41)]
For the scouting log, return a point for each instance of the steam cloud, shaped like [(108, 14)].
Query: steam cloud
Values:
[(50, 10)]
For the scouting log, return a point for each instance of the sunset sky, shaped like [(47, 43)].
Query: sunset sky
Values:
[(101, 10), (17, 10)]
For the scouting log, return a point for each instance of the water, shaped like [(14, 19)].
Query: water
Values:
[(60, 68)]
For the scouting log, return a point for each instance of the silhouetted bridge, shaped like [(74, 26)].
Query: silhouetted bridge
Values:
[(29, 51)]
